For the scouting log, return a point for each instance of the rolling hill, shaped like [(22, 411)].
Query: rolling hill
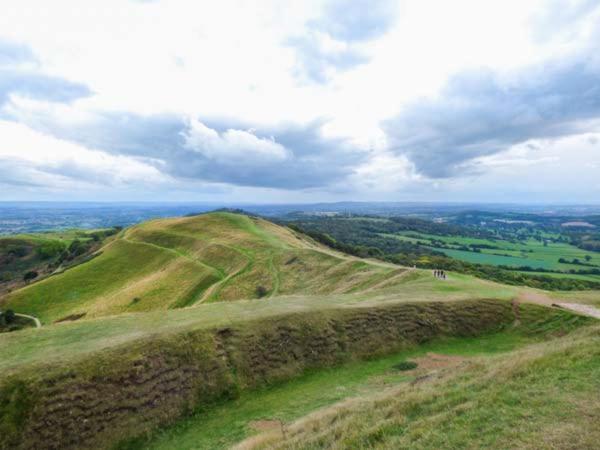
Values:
[(194, 330), (172, 263)]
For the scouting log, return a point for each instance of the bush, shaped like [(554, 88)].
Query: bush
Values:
[(406, 365), (261, 291), (8, 316), (50, 249), (32, 274)]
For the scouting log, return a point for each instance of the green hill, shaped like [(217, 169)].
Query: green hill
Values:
[(172, 263), (204, 319)]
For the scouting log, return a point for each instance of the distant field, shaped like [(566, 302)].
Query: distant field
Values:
[(530, 253)]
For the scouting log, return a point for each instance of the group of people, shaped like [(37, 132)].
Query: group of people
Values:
[(440, 274)]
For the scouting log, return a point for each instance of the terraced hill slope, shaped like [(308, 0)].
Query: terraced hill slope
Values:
[(171, 263)]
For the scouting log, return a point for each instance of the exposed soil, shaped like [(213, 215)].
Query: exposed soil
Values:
[(541, 299), (436, 361), (588, 310), (71, 318)]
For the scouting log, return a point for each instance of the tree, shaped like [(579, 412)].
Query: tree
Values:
[(588, 258)]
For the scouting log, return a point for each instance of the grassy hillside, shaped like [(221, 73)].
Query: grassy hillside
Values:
[(173, 263), (544, 396), (41, 254), (153, 378), (280, 404), (186, 315)]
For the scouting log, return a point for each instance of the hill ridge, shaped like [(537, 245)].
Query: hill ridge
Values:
[(179, 262)]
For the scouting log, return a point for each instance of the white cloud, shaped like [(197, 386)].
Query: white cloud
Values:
[(232, 146), (32, 158)]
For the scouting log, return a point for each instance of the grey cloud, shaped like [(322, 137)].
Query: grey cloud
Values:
[(347, 24), (315, 63), (477, 114), (40, 86), (31, 82), (313, 160)]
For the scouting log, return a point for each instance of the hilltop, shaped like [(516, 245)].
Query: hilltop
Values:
[(178, 262)]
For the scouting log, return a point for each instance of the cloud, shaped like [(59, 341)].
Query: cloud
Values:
[(20, 74), (40, 86), (481, 113), (288, 156), (358, 20), (12, 53), (232, 146), (318, 57), (30, 158), (562, 19), (331, 43)]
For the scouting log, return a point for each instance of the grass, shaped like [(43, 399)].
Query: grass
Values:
[(227, 423), (172, 263), (530, 253), (542, 396), (67, 341)]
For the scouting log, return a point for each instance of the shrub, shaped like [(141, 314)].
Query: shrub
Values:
[(406, 365), (261, 291), (9, 316), (32, 274), (50, 249)]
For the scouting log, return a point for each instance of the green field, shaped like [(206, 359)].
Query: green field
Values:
[(529, 252)]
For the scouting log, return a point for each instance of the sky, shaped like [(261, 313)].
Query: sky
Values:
[(273, 101)]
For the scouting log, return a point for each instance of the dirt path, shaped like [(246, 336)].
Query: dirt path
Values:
[(541, 299), (37, 322)]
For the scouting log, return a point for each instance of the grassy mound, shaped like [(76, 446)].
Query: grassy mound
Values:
[(131, 388), (173, 263)]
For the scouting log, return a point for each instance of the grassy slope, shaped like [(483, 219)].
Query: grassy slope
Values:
[(229, 422), (544, 396), (66, 341), (172, 263)]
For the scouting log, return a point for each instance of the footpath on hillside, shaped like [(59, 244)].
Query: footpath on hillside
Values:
[(542, 299)]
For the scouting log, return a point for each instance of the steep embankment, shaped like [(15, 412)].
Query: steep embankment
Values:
[(110, 395), (179, 262)]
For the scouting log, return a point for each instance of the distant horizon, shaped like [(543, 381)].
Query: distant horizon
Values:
[(337, 202)]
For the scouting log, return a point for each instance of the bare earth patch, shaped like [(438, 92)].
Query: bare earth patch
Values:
[(542, 299), (436, 361)]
